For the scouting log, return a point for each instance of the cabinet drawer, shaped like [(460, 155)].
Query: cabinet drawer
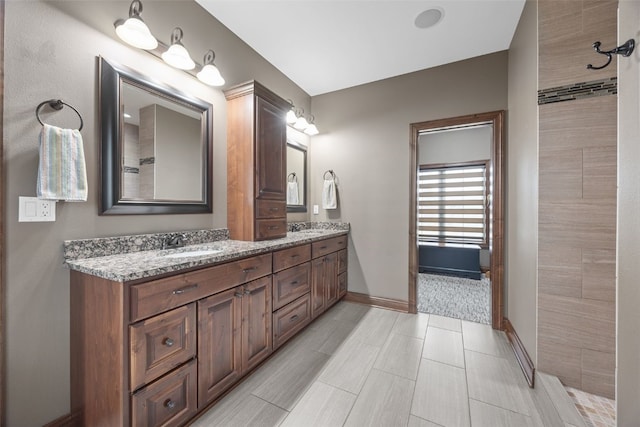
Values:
[(271, 209), (161, 343), (289, 257), (342, 261), (161, 295), (168, 402), (271, 228), (290, 319), (290, 284), (327, 246)]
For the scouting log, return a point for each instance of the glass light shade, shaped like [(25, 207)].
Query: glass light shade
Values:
[(311, 130), (177, 56), (301, 123), (210, 75), (291, 117), (136, 33)]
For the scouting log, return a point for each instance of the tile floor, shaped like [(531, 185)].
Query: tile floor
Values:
[(357, 365), (597, 411)]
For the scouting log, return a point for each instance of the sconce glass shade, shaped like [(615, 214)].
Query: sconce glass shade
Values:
[(210, 74), (301, 123), (134, 31), (291, 116), (177, 56), (311, 130)]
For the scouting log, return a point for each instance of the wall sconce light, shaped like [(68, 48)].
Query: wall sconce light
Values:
[(301, 123), (291, 114), (134, 31), (210, 73), (311, 129), (177, 56)]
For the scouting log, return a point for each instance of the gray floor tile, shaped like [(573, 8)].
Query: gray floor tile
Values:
[(322, 405), (485, 415), (484, 339), (563, 403), (445, 323), (375, 326), (249, 411), (385, 400), (412, 325), (441, 394), (349, 312), (419, 422), (442, 345), (350, 365), (400, 356), (492, 380), (340, 333)]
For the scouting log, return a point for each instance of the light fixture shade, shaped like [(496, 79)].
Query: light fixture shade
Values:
[(291, 117), (177, 56), (134, 31), (311, 130), (301, 123), (210, 74)]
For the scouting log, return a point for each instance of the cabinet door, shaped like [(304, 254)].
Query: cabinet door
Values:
[(271, 142), (256, 322), (318, 293), (331, 278), (219, 357)]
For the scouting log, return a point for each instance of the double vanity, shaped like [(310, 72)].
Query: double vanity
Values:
[(157, 335)]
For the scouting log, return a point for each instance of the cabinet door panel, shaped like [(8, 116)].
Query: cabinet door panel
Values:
[(331, 278), (291, 284), (256, 322), (318, 297), (219, 323), (271, 140)]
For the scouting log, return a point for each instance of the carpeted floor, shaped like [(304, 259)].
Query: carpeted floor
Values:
[(465, 299)]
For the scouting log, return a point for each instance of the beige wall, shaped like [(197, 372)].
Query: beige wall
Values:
[(628, 316), (50, 54), (365, 140), (522, 180)]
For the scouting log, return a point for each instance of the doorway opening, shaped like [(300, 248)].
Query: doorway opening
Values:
[(458, 232)]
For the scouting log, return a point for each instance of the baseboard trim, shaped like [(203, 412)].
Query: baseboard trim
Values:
[(67, 420), (525, 362), (388, 303)]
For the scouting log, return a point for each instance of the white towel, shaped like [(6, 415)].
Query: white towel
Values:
[(62, 172), (329, 196), (292, 193)]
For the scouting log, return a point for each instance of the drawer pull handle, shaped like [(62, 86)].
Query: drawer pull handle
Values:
[(168, 342), (295, 256), (274, 209), (170, 404), (247, 292), (273, 227), (250, 269), (293, 318), (185, 289), (323, 247), (238, 294), (295, 282)]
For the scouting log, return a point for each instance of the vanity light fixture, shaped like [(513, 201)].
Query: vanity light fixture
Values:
[(210, 73), (301, 123), (177, 56), (311, 130), (134, 31), (291, 114)]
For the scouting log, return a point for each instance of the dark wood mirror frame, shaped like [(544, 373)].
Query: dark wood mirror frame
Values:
[(111, 77), (302, 207)]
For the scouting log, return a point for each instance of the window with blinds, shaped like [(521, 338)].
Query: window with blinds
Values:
[(451, 203)]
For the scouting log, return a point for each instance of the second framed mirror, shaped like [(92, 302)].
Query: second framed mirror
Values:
[(296, 176)]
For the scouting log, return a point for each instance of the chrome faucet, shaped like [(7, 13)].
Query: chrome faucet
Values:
[(172, 241)]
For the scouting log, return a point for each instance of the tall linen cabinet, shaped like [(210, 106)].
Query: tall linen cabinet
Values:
[(256, 163)]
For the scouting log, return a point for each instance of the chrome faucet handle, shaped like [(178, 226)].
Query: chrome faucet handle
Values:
[(173, 240)]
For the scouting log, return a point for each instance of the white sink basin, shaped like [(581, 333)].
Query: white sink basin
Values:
[(191, 254)]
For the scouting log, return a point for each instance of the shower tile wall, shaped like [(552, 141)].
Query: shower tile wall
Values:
[(577, 205)]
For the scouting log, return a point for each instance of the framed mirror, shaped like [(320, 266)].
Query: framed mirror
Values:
[(156, 146), (296, 177)]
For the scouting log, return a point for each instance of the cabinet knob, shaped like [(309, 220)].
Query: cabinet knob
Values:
[(170, 404), (247, 292), (168, 342), (293, 318), (238, 294), (295, 282), (250, 269)]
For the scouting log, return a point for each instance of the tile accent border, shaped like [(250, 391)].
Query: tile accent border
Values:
[(575, 91), (388, 303), (525, 362)]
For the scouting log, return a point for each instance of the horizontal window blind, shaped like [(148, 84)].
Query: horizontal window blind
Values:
[(451, 204)]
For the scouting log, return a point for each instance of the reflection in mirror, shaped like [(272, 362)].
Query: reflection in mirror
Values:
[(296, 177), (156, 146)]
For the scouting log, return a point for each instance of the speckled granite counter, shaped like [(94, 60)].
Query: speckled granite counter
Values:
[(138, 264)]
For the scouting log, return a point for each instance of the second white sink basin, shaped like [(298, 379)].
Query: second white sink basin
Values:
[(190, 254)]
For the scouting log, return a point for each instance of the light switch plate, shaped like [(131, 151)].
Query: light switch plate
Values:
[(316, 210), (32, 209)]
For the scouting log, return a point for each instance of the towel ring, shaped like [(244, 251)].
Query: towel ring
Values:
[(330, 172), (57, 104), (292, 177)]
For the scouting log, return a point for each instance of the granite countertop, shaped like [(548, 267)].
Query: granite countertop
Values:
[(138, 265)]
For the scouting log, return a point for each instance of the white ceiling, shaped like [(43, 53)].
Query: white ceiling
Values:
[(328, 45)]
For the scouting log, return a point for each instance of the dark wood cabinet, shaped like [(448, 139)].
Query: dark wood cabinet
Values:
[(328, 273), (256, 163), (256, 322)]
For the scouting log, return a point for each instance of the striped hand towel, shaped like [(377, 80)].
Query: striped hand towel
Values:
[(62, 172)]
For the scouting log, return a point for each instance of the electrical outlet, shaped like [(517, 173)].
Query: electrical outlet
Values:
[(316, 210), (32, 209)]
